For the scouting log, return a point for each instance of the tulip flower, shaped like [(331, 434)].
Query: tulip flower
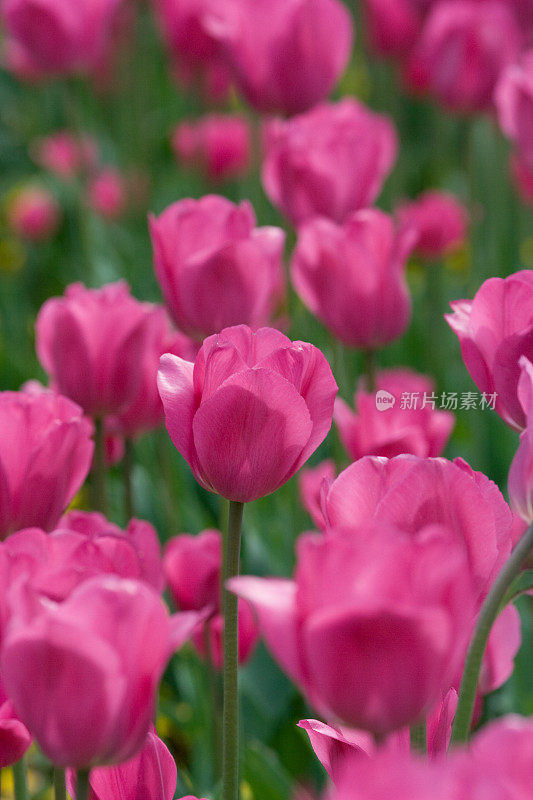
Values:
[(45, 455), (14, 736), (440, 222), (112, 638), (280, 52), (215, 267), (329, 162), (393, 25), (64, 154), (149, 775), (514, 104), (217, 143), (395, 428), (249, 412), (352, 277), (494, 330), (91, 342), (34, 214), (374, 624), (57, 36), (463, 49), (521, 472), (106, 194), (314, 483)]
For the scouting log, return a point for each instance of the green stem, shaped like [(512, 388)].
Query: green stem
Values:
[(60, 789), (370, 370), (127, 474), (230, 714), (82, 784), (487, 616), (20, 780), (214, 701), (99, 468), (419, 738)]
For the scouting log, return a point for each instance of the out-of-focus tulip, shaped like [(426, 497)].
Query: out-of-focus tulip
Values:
[(351, 277), (412, 492), (522, 176), (217, 143), (65, 154), (106, 194), (494, 330), (33, 213), (395, 427), (57, 36), (111, 638), (249, 412), (521, 472), (45, 455), (329, 162), (314, 483), (375, 624), (193, 565), (464, 47), (150, 775), (393, 25), (439, 220), (514, 103), (280, 50), (215, 267), (14, 736), (92, 343)]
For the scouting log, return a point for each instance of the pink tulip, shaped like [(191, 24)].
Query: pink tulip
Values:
[(45, 455), (34, 214), (494, 330), (145, 412), (393, 25), (280, 50), (214, 631), (503, 645), (440, 221), (329, 162), (412, 492), (464, 47), (92, 343), (521, 472), (375, 623), (357, 266), (14, 736), (64, 154), (218, 143), (57, 36), (149, 775), (314, 484), (522, 177), (394, 428), (107, 194), (514, 103), (249, 412), (112, 638), (215, 267)]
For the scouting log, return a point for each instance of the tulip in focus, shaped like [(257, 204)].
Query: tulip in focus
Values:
[(351, 277), (112, 638), (464, 47), (218, 143), (215, 267), (329, 162), (440, 222), (249, 412), (91, 342), (280, 51), (107, 194), (193, 565), (45, 456), (494, 330), (33, 214), (392, 430)]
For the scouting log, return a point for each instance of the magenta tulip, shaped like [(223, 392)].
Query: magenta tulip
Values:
[(440, 222), (65, 154), (34, 214), (514, 103), (397, 427), (217, 143), (107, 194), (45, 455), (280, 50), (329, 162), (494, 330), (149, 775), (112, 638), (464, 47), (521, 472), (249, 412), (14, 736), (314, 483), (352, 277), (393, 25), (215, 268), (91, 342)]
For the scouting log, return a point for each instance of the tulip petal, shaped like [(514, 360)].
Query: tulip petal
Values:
[(175, 384)]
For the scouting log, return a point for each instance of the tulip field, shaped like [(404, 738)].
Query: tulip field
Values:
[(266, 399)]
